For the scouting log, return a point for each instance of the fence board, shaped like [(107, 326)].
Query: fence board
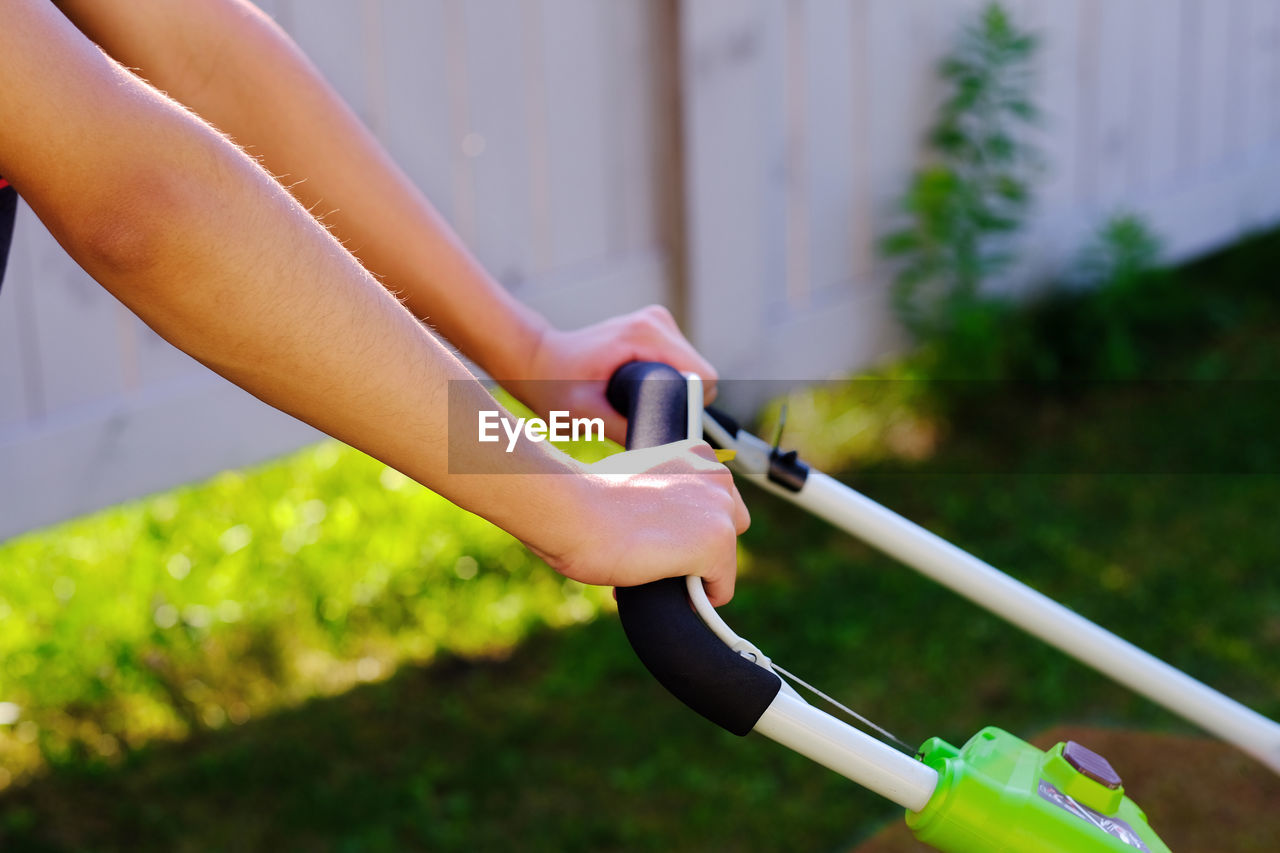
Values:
[(497, 139), (1261, 95), (1235, 90), (1159, 25), (15, 325), (778, 191), (641, 86), (1210, 43), (79, 358), (863, 246), (66, 466), (344, 61), (414, 73), (829, 77), (1112, 56), (902, 97), (596, 291), (797, 242), (575, 64), (1058, 92), (731, 132)]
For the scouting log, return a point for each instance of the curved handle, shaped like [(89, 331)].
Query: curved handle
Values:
[(662, 627)]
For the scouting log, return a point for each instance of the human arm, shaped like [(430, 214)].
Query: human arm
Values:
[(236, 68), (198, 240)]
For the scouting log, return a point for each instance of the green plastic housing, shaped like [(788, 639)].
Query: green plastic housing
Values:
[(999, 793)]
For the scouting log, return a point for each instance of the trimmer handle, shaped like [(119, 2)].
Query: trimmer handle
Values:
[(663, 628)]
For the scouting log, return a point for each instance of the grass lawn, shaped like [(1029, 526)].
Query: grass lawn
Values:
[(317, 655)]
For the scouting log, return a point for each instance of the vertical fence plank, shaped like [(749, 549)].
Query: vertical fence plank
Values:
[(333, 34), (1089, 46), (1189, 108), (730, 130), (414, 72), (901, 54), (1273, 76), (638, 104), (16, 351), (1235, 83), (13, 402), (799, 128), (1211, 93), (864, 239), (1158, 99), (1114, 147), (830, 55), (1261, 99), (1057, 23), (778, 191), (76, 333), (575, 57), (497, 140)]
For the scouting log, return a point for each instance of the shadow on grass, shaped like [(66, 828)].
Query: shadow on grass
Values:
[(567, 745)]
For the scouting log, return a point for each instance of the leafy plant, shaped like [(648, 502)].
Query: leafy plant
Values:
[(1121, 266), (966, 206)]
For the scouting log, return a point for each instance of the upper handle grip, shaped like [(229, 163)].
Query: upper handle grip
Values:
[(653, 398), (662, 626)]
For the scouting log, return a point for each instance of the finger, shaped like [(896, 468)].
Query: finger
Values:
[(660, 314), (704, 451), (719, 584), (741, 516), (663, 341), (615, 425), (687, 359), (704, 460)]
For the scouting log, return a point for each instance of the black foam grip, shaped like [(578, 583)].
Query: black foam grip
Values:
[(661, 625), (654, 400)]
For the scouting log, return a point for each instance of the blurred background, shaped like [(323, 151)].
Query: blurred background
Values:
[(948, 198)]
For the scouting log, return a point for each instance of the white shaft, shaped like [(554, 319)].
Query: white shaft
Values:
[(1038, 615), (842, 748)]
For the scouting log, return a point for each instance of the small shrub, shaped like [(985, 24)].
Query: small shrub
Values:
[(965, 212), (1115, 297), (965, 208)]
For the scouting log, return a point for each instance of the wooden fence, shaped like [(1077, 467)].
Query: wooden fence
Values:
[(736, 159)]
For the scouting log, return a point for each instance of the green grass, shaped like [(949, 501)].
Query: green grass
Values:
[(503, 709), (217, 603)]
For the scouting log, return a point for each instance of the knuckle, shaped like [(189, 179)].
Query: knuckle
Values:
[(659, 312)]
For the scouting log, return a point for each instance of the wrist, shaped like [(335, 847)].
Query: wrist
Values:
[(571, 502), (514, 351)]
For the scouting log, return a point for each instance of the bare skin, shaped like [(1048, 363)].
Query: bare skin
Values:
[(255, 288), (234, 67)]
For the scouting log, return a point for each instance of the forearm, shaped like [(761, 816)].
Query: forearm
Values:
[(234, 67), (211, 252)]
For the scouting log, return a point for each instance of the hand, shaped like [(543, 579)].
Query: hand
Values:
[(660, 512), (589, 356)]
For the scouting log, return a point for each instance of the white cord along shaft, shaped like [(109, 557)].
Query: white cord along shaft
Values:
[(1038, 615)]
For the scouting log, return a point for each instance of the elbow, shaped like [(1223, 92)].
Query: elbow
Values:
[(135, 230)]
